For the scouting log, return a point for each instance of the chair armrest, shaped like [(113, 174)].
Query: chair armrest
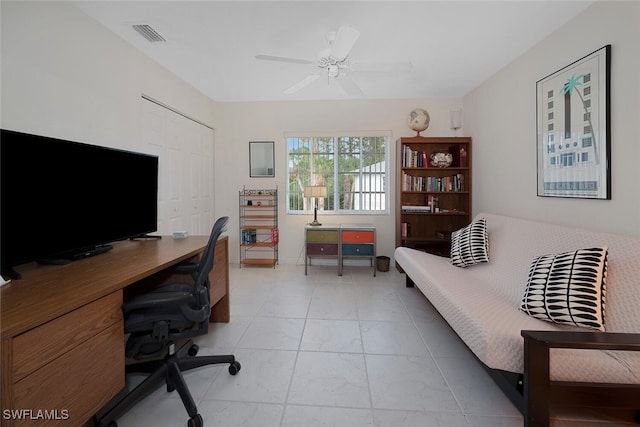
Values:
[(163, 300), (187, 267), (584, 340)]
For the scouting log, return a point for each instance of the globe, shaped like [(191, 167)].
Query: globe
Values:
[(418, 120)]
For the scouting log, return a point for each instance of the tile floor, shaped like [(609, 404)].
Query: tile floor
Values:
[(323, 350)]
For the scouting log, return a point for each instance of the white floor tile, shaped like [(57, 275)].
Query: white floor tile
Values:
[(323, 416), (387, 418), (292, 306), (341, 336), (265, 377), (273, 333), (328, 350), (330, 379), (383, 309), (244, 414), (408, 382), (392, 338), (333, 308)]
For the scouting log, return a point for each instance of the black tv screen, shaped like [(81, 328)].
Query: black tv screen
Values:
[(61, 199)]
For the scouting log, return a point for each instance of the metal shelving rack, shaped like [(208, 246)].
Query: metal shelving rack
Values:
[(259, 234)]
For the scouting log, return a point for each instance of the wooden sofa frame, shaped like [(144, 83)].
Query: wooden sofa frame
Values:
[(540, 393)]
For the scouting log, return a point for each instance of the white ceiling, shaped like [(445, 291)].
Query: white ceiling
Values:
[(453, 45)]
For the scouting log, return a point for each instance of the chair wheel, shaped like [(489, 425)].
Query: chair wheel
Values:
[(193, 350), (195, 421), (234, 368)]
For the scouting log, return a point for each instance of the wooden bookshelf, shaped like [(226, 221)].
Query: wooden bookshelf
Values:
[(432, 201)]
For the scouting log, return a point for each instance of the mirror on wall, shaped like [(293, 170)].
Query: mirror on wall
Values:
[(261, 159)]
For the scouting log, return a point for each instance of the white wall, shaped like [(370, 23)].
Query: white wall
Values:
[(500, 115), (66, 76), (268, 121)]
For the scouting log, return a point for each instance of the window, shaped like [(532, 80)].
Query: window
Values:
[(351, 167), (567, 159)]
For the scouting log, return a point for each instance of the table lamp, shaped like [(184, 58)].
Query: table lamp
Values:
[(315, 191)]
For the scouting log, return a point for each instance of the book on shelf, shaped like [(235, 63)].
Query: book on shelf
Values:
[(452, 183), (414, 158), (416, 208)]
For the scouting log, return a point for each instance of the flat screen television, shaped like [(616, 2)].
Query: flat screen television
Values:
[(64, 200)]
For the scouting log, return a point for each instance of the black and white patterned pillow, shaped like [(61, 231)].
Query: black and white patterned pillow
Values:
[(470, 245), (568, 288)]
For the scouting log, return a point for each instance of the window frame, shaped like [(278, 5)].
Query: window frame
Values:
[(335, 195)]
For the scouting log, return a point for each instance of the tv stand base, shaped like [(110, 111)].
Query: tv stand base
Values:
[(67, 258), (10, 273)]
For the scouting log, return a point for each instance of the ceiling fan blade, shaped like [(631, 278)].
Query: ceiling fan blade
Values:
[(349, 86), (302, 83), (382, 67), (345, 39), (283, 59)]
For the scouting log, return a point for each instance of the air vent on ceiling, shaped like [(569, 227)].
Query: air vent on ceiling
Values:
[(149, 33)]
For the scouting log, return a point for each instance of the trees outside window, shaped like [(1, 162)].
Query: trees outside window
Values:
[(353, 168)]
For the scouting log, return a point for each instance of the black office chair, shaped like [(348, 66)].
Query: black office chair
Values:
[(156, 321)]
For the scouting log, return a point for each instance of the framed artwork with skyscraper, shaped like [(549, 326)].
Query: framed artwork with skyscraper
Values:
[(573, 129)]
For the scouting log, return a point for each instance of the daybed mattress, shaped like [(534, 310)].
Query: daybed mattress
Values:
[(481, 302)]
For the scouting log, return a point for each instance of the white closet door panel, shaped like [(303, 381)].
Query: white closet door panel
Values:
[(185, 151)]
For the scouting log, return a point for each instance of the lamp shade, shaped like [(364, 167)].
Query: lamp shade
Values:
[(315, 191)]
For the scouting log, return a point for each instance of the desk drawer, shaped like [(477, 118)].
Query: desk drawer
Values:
[(40, 345), (357, 236), (357, 250), (322, 249), (322, 236), (76, 383)]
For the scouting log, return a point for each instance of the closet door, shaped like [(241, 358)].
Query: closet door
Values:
[(185, 150)]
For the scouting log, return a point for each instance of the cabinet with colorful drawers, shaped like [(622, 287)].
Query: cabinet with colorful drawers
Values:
[(321, 242), (344, 241), (357, 242)]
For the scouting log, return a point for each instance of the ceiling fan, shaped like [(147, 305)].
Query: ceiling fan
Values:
[(335, 63)]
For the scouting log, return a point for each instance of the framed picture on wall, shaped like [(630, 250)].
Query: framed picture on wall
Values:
[(261, 159), (573, 129)]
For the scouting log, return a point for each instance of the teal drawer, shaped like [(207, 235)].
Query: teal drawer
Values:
[(357, 250)]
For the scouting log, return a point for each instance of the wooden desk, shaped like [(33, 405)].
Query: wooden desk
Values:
[(62, 328)]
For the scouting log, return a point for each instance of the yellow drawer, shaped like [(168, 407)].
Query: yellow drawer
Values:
[(322, 236)]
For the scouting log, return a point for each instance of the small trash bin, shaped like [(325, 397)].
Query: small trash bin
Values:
[(382, 263)]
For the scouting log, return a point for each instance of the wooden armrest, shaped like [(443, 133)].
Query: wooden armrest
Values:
[(539, 389), (584, 340)]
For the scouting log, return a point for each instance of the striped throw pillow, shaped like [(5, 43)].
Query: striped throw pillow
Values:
[(568, 288), (470, 245)]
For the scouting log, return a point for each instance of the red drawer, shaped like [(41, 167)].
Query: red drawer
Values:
[(357, 236), (322, 249)]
